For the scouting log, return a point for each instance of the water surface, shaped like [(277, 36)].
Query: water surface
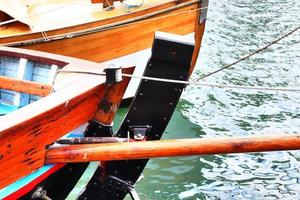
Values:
[(233, 29)]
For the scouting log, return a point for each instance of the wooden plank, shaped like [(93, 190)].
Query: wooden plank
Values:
[(9, 66), (25, 133), (24, 73), (24, 86), (167, 148), (52, 74)]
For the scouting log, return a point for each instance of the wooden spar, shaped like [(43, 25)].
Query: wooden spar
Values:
[(24, 86), (25, 133), (167, 148)]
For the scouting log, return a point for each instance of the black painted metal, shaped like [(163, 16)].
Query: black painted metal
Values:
[(152, 106), (59, 184)]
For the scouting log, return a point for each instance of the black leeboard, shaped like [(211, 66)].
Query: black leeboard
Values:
[(153, 106)]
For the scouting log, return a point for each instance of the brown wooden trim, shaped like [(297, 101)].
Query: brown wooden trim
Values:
[(167, 148), (199, 32), (24, 86), (115, 95)]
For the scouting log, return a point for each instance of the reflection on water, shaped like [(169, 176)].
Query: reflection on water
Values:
[(233, 29)]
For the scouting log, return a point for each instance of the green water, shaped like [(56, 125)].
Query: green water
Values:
[(233, 29)]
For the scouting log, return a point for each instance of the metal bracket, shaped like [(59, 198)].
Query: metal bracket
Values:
[(119, 184), (139, 132), (124, 186)]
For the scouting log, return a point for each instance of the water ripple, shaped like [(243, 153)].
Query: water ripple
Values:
[(235, 28)]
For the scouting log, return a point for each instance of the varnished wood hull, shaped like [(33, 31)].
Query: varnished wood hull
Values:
[(26, 132), (114, 37)]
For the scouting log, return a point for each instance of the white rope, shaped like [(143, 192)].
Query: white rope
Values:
[(44, 34), (214, 85)]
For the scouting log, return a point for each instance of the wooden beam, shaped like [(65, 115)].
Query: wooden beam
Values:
[(167, 148), (24, 86)]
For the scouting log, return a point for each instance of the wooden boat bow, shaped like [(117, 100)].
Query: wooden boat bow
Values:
[(25, 133)]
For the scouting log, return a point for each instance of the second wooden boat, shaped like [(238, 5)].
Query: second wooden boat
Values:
[(83, 29)]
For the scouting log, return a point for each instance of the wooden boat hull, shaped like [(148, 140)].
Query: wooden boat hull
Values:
[(26, 132), (114, 37)]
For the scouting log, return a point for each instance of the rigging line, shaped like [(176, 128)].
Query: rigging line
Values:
[(44, 34), (248, 55), (40, 13), (257, 88)]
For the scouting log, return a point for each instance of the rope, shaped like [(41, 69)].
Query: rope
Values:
[(44, 34), (248, 55), (277, 89), (129, 6)]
